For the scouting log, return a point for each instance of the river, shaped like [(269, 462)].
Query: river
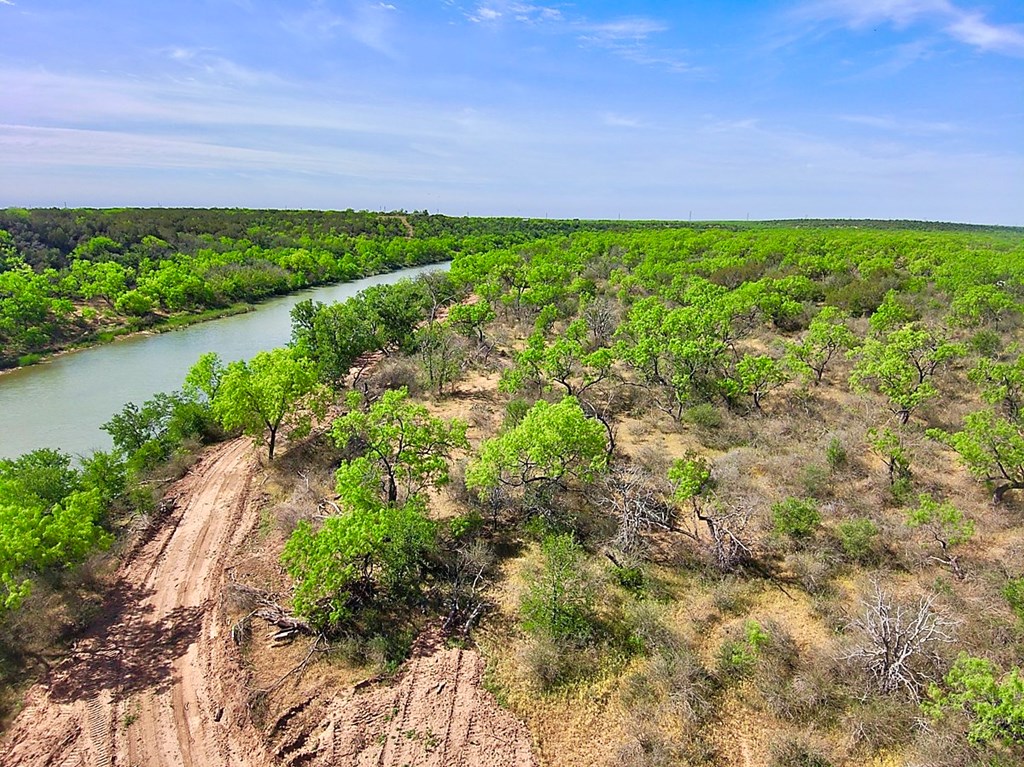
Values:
[(63, 402)]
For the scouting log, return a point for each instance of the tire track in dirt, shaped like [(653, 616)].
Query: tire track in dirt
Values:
[(152, 683), (436, 715)]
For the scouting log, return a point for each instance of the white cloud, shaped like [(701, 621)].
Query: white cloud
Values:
[(965, 26), (901, 125), (621, 121), (367, 23), (523, 13)]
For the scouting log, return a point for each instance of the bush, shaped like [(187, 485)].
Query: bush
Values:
[(815, 480), (738, 657), (1013, 591), (558, 602), (857, 537), (994, 705), (795, 752), (835, 454), (795, 517), (704, 416)]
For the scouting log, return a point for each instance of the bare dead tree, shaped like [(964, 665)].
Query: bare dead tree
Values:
[(725, 528), (899, 647), (602, 321), (467, 580), (630, 495)]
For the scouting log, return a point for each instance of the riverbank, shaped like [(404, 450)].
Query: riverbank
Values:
[(159, 323), (63, 403)]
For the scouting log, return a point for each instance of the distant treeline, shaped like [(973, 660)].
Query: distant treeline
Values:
[(73, 276)]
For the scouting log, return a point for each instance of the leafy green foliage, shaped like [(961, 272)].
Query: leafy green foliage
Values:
[(551, 444), (758, 374), (888, 445), (795, 517), (471, 319), (946, 523), (368, 549), (992, 449), (993, 703), (567, 361), (690, 477), (902, 365), (272, 389), (827, 337), (739, 657), (1001, 384), (49, 520), (558, 601), (857, 537), (1013, 592), (405, 447)]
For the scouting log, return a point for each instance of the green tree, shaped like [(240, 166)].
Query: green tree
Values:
[(757, 375), (550, 445), (566, 361), (993, 703), (991, 448), (1002, 384), (889, 446), (471, 319), (370, 547), (827, 337), (796, 517), (558, 601), (441, 354), (945, 524), (405, 446), (46, 522), (273, 389), (902, 365)]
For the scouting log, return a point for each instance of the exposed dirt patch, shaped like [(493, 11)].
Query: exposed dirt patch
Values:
[(436, 715)]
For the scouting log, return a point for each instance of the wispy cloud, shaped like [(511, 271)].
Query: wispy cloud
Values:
[(367, 23), (7, 2), (628, 37), (523, 13), (901, 125), (621, 121), (969, 27)]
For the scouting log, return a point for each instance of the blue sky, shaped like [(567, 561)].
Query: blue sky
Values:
[(803, 108)]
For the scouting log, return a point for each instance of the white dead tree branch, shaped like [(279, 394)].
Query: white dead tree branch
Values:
[(900, 644)]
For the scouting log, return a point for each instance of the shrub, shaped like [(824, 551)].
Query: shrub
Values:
[(857, 537), (815, 480), (835, 454), (704, 416), (995, 706), (557, 603), (738, 657), (1013, 591), (795, 752), (795, 517)]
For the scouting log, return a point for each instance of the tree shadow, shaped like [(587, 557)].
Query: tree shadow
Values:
[(128, 649)]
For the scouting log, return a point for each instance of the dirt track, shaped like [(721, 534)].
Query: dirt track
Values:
[(154, 682), (157, 680)]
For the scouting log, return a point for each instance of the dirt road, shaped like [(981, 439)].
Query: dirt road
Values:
[(154, 682), (157, 682)]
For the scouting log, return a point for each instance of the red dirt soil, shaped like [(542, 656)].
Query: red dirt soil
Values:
[(158, 681)]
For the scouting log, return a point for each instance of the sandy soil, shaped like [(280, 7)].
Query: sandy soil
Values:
[(436, 715), (157, 680)]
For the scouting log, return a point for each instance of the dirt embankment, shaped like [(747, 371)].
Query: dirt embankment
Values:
[(158, 681), (436, 715), (155, 682)]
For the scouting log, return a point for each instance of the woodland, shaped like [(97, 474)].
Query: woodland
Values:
[(694, 492)]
